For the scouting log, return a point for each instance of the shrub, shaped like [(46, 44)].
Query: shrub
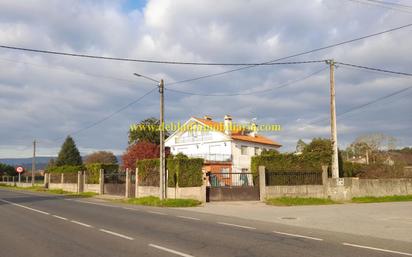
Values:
[(93, 171), (66, 169), (184, 171), (148, 172)]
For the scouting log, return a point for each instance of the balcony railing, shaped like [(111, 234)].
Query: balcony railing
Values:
[(193, 139), (213, 157)]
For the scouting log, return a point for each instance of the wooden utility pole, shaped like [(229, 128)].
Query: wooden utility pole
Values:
[(33, 163), (334, 137), (162, 183)]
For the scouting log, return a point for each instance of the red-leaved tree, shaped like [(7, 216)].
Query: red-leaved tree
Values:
[(139, 151)]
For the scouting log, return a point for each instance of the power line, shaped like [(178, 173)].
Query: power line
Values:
[(147, 60), (390, 3), (108, 116), (379, 4), (293, 55), (364, 105), (285, 84), (374, 69)]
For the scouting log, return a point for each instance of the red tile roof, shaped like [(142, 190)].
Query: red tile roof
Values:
[(236, 134)]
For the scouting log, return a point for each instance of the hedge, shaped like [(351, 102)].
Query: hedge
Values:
[(148, 172), (284, 162), (184, 171), (66, 169), (93, 171)]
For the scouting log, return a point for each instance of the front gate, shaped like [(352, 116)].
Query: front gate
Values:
[(232, 187), (115, 183)]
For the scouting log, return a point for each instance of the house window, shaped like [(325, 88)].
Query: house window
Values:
[(243, 150), (225, 172), (257, 151)]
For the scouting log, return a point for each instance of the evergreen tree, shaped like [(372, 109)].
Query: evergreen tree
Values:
[(69, 154)]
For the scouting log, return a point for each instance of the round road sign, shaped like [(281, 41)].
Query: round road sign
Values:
[(19, 169)]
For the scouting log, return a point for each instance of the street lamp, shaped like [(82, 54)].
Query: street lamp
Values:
[(162, 171)]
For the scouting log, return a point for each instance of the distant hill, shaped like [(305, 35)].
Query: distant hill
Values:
[(41, 161)]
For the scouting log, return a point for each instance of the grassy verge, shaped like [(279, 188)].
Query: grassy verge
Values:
[(294, 201), (155, 201), (382, 199), (51, 191)]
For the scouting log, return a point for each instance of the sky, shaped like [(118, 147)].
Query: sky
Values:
[(47, 97)]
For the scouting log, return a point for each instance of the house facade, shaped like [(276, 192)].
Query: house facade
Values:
[(224, 149)]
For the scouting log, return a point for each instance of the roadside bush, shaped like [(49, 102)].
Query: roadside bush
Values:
[(93, 171), (187, 172), (284, 162), (66, 169), (148, 172)]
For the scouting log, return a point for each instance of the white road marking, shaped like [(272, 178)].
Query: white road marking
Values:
[(170, 250), (106, 205), (156, 212), (127, 208), (81, 224), (186, 217), (116, 234), (25, 207), (296, 235), (377, 249), (59, 217), (235, 225)]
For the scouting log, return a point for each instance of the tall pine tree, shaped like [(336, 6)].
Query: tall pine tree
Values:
[(69, 154)]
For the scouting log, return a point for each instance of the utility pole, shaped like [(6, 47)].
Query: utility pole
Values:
[(162, 143), (33, 163), (334, 138)]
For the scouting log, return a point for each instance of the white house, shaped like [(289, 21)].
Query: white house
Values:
[(224, 149)]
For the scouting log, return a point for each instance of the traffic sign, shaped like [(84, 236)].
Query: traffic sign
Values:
[(19, 169)]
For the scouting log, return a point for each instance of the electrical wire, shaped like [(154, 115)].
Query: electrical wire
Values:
[(390, 3), (363, 105), (293, 55), (378, 4), (285, 84), (108, 116), (374, 69), (147, 60)]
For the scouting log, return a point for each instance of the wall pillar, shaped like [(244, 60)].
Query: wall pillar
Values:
[(62, 178), (46, 180), (128, 182), (136, 185), (101, 181), (262, 182), (324, 174), (79, 182), (204, 185)]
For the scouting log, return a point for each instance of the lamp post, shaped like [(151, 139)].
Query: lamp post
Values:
[(162, 159)]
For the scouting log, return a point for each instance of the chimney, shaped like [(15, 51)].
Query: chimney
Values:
[(253, 131), (207, 117), (228, 125)]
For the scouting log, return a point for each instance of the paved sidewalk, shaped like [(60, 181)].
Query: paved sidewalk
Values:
[(382, 220)]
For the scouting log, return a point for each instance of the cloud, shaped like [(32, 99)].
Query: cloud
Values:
[(47, 97)]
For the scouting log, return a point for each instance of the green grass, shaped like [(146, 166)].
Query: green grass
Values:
[(382, 199), (294, 201), (51, 191), (155, 201)]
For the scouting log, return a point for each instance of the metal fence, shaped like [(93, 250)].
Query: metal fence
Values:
[(231, 179), (115, 178), (291, 178)]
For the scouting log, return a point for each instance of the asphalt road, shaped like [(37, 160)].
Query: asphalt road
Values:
[(34, 224)]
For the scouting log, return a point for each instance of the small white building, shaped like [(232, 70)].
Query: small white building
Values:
[(224, 150)]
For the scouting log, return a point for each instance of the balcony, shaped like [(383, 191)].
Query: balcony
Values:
[(193, 139), (212, 157)]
